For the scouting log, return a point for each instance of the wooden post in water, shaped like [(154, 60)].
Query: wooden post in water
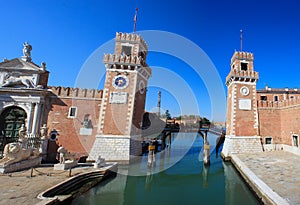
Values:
[(151, 155), (206, 150)]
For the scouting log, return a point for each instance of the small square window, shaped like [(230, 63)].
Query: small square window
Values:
[(268, 140), (72, 112), (263, 97), (126, 50), (276, 98), (244, 66)]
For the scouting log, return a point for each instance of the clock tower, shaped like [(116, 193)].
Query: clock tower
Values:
[(242, 134), (123, 100)]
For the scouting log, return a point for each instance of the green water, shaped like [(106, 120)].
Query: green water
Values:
[(179, 177)]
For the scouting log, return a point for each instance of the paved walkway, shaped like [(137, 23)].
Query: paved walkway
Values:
[(19, 188), (280, 170)]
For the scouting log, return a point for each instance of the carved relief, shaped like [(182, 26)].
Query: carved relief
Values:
[(17, 80)]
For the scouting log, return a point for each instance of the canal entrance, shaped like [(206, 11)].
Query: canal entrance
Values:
[(178, 177)]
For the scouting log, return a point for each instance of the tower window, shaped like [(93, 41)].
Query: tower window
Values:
[(244, 66), (276, 98), (72, 112), (263, 97), (126, 50)]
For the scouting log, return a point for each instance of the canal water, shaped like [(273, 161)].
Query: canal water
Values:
[(177, 177)]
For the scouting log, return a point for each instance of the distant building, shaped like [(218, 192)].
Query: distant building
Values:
[(258, 120)]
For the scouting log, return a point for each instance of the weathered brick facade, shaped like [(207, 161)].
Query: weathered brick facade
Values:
[(123, 102), (73, 134), (279, 111), (258, 120)]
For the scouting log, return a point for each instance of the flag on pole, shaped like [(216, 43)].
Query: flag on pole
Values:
[(135, 19), (135, 16)]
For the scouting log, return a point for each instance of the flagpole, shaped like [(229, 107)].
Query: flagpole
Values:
[(241, 40), (135, 19)]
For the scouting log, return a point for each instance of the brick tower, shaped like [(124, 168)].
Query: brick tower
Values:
[(123, 101), (242, 133)]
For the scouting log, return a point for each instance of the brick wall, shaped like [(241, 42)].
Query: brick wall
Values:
[(69, 128), (270, 124), (290, 123), (116, 116), (279, 119)]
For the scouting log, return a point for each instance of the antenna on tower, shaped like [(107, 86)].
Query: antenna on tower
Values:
[(135, 19), (158, 103), (241, 40)]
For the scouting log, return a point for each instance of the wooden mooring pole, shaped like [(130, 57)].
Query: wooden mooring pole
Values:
[(206, 150)]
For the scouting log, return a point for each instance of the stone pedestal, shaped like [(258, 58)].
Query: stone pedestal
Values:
[(117, 148), (18, 166), (67, 165), (241, 144)]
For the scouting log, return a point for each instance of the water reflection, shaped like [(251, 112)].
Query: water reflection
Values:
[(187, 181)]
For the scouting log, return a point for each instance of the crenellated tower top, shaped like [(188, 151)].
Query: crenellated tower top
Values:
[(133, 38), (130, 54), (242, 68)]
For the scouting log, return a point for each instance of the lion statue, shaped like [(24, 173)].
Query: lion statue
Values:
[(14, 153), (65, 155)]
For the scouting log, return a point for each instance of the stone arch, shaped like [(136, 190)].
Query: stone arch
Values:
[(11, 119)]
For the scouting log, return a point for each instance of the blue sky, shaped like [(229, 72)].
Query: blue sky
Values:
[(65, 34)]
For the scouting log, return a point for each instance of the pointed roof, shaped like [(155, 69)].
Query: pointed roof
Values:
[(18, 64)]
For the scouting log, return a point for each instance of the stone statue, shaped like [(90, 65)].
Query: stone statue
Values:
[(27, 49), (86, 123), (23, 136), (43, 66), (44, 141), (100, 162), (14, 153), (43, 132), (65, 155), (18, 152)]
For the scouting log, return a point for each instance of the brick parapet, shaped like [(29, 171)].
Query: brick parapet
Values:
[(131, 37), (242, 56), (76, 92), (124, 60), (278, 104)]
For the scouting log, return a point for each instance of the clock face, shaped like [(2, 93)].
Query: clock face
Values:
[(142, 87), (120, 82), (244, 90)]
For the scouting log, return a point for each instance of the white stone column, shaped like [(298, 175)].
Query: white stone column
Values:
[(35, 118), (29, 118)]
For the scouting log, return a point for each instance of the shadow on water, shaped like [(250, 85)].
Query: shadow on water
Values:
[(187, 181)]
